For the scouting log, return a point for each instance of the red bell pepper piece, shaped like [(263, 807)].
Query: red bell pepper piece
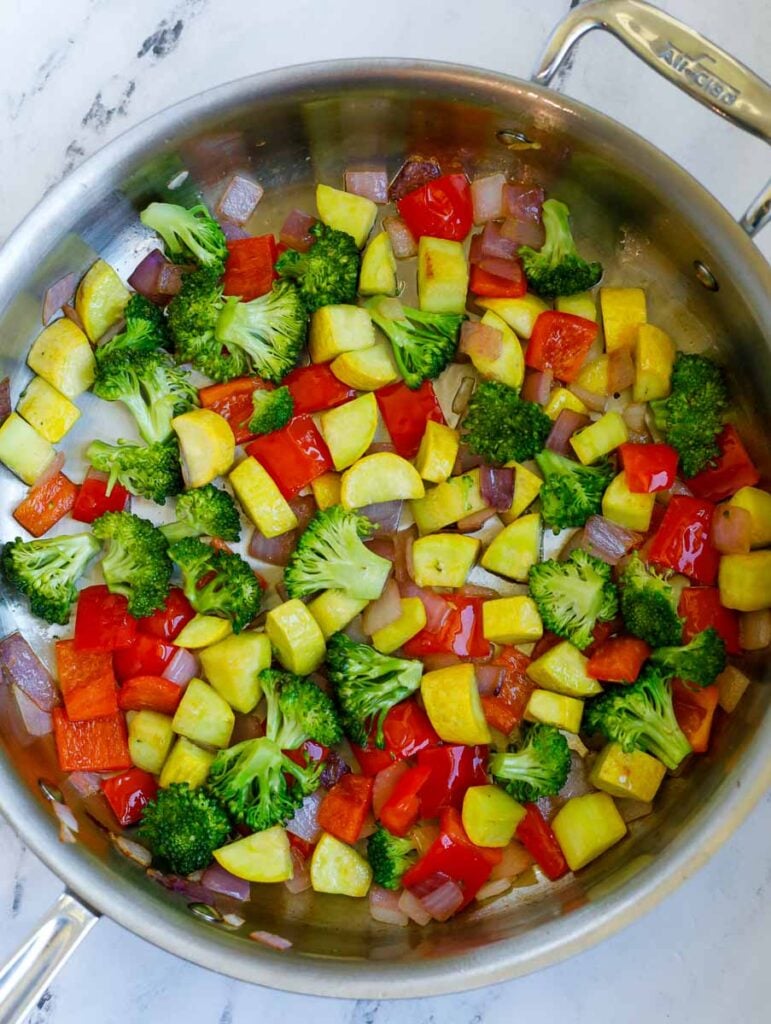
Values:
[(402, 809), (87, 682), (451, 856), (303, 847), (452, 769), (734, 469), (461, 633), (649, 467), (618, 660), (451, 823), (537, 837), (344, 809), (315, 388), (46, 504), (492, 286), (682, 540), (150, 693), (505, 709), (93, 500), (233, 401), (147, 656), (405, 414), (695, 712), (293, 456), (128, 794), (441, 208), (102, 621), (249, 268), (407, 730), (97, 745), (559, 343), (701, 608), (168, 622)]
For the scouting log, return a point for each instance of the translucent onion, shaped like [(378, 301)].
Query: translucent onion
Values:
[(296, 231), (470, 524), (493, 888), (239, 200), (523, 232), (218, 880), (487, 197), (413, 908), (385, 610), (565, 425), (607, 540), (272, 550), (590, 399), (489, 678), (497, 486), (463, 395), (22, 667), (523, 201), (183, 667), (385, 783), (403, 241), (57, 295), (478, 339), (271, 940), (414, 172), (514, 860), (385, 514), (305, 822), (537, 386), (437, 609), (5, 399), (301, 876), (443, 901), (371, 184), (620, 370), (36, 721), (384, 907), (55, 467)]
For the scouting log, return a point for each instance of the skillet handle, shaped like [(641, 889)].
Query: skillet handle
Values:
[(24, 978)]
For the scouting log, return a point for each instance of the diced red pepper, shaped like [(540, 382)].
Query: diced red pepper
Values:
[(150, 693), (93, 500), (168, 622), (649, 467), (147, 656), (46, 504), (450, 857), (461, 633), (303, 847), (695, 712), (682, 540), (249, 268), (537, 837), (559, 342), (97, 745), (293, 456), (734, 469), (102, 621), (505, 709), (315, 388), (233, 401), (402, 809), (344, 809), (492, 286), (129, 793), (618, 660), (406, 412), (87, 682), (701, 608), (441, 208), (407, 730), (453, 769)]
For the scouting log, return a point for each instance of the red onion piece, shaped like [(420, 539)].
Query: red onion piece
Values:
[(634, 417), (385, 783), (273, 550), (304, 508), (403, 567), (590, 399), (301, 874), (21, 666), (443, 901), (489, 678), (413, 908), (402, 240), (217, 879), (462, 396), (731, 531), (620, 370), (371, 184), (607, 540), (466, 460), (381, 613), (231, 230), (385, 514), (414, 172), (493, 244), (182, 668), (437, 609), (85, 784), (72, 314), (334, 769), (68, 823), (497, 487), (383, 546), (432, 662), (475, 590), (54, 467), (36, 721), (523, 201), (296, 231), (191, 890), (487, 197), (157, 278), (270, 940), (470, 524), (524, 232), (239, 200), (481, 340), (506, 269), (565, 425), (384, 907), (381, 446), (537, 386), (5, 399), (59, 294), (514, 861), (755, 630), (305, 822)]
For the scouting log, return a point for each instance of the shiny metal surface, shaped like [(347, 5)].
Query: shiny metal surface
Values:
[(638, 212)]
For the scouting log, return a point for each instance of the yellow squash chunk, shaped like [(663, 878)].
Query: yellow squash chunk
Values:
[(203, 631), (47, 410), (555, 709), (393, 636), (382, 476), (563, 670), (261, 857), (627, 508), (203, 716), (490, 816), (599, 438), (586, 827), (23, 450), (100, 299), (654, 357), (261, 499), (527, 487), (296, 637), (509, 366), (511, 620), (451, 700), (561, 399), (758, 504), (326, 490), (207, 446), (443, 559), (150, 736), (594, 376), (446, 503), (338, 868), (338, 329), (581, 304), (186, 763), (520, 314), (515, 549), (731, 684), (233, 668), (346, 212), (349, 429), (437, 453), (442, 276), (63, 356), (745, 581), (634, 774), (377, 275), (368, 368), (623, 310), (334, 609)]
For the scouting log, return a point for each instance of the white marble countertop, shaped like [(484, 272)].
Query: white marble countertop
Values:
[(74, 75)]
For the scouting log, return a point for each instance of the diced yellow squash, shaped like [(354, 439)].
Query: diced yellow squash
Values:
[(346, 212), (563, 669), (623, 310), (442, 276), (261, 857), (100, 299), (731, 684), (338, 329), (594, 376), (377, 275), (626, 507), (527, 487), (207, 446), (555, 709), (634, 774), (338, 868), (448, 502), (382, 476), (326, 490), (47, 410), (443, 559), (233, 668), (397, 633), (150, 736), (490, 816), (334, 609), (654, 357), (23, 450), (509, 366), (511, 620), (561, 399), (261, 499), (203, 631), (451, 700), (437, 453), (586, 827), (366, 369), (599, 438), (203, 716), (754, 630), (515, 549), (63, 356), (758, 504), (581, 304), (349, 429), (520, 314), (296, 637), (188, 763), (745, 581)]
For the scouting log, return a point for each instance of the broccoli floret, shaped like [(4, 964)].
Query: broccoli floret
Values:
[(574, 595), (145, 331), (204, 512), (701, 661), (269, 331), (150, 471), (639, 717), (46, 571), (183, 828), (692, 416), (217, 582), (330, 555), (390, 857), (557, 269), (536, 766), (649, 605), (192, 319), (298, 710), (367, 684), (423, 344), (328, 273), (571, 492), (136, 563), (272, 410), (501, 426), (188, 234)]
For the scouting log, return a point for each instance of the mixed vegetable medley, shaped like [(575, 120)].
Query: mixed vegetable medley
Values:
[(503, 543)]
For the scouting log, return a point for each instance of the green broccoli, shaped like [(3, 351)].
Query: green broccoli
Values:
[(188, 234), (574, 595), (536, 766), (46, 571), (272, 410), (328, 273), (330, 555), (150, 471), (217, 582), (145, 331), (183, 828), (571, 492), (390, 857), (639, 717), (649, 605), (269, 331), (136, 563), (204, 512), (367, 685), (192, 317), (557, 269), (423, 344), (298, 710), (701, 661), (691, 418), (501, 426)]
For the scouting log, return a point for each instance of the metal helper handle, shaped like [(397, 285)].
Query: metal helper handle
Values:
[(24, 978)]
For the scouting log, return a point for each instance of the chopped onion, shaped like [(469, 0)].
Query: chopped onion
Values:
[(443, 901), (231, 230), (68, 823), (414, 172), (489, 678), (565, 425), (463, 395), (620, 370), (371, 184), (335, 767), (72, 314), (134, 851), (507, 270), (296, 231), (632, 810), (474, 590), (383, 546), (304, 508), (22, 667), (217, 879), (188, 887), (385, 783), (437, 609), (515, 859), (239, 200), (607, 540), (523, 201), (57, 295), (384, 907), (413, 908), (634, 417), (5, 399), (496, 485), (755, 629), (381, 613), (470, 524), (523, 232), (478, 339), (36, 721), (273, 550), (487, 197), (233, 920), (731, 684), (432, 662), (85, 784), (493, 244), (385, 514), (424, 836), (271, 940), (301, 875), (305, 822), (493, 888), (54, 467), (402, 240), (731, 530), (466, 460), (537, 386), (369, 827), (381, 446), (182, 668), (157, 278), (403, 567), (590, 399)]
